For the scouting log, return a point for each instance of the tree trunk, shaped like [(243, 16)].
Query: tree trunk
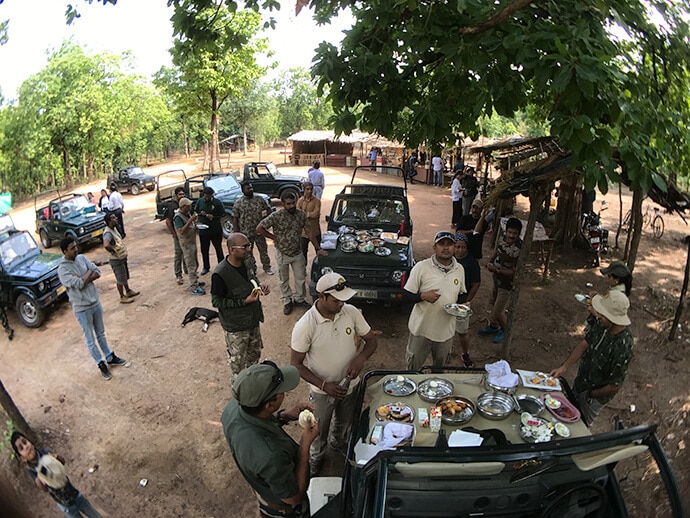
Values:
[(214, 151), (244, 137), (681, 302), (15, 415), (69, 180), (185, 139), (620, 213), (89, 166), (567, 224), (636, 228), (537, 195)]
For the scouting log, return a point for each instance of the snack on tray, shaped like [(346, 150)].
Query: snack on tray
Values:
[(383, 410), (452, 407), (376, 434), (435, 420), (423, 417)]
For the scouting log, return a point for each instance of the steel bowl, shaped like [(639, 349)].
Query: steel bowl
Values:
[(491, 387), (495, 405), (529, 403), (376, 232)]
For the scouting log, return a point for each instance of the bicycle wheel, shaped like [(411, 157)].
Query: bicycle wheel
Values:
[(625, 226), (658, 227), (646, 219)]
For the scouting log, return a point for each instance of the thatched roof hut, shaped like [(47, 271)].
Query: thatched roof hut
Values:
[(332, 150)]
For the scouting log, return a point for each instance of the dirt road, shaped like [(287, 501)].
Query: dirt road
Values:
[(159, 419)]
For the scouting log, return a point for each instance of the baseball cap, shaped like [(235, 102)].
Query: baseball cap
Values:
[(184, 202), (444, 234), (335, 285), (617, 268), (258, 383), (614, 306), (478, 203)]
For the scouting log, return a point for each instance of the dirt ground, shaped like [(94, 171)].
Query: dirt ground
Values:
[(159, 419)]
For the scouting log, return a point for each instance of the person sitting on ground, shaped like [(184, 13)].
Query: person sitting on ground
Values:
[(503, 264), (68, 498)]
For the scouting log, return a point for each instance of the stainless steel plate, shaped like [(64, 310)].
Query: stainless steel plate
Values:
[(393, 386), (430, 393)]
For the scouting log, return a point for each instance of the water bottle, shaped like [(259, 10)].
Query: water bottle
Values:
[(343, 383)]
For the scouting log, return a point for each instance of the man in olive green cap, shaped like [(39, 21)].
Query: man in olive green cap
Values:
[(269, 459)]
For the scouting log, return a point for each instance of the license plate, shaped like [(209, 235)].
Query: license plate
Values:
[(366, 294), (61, 290), (97, 233), (594, 240)]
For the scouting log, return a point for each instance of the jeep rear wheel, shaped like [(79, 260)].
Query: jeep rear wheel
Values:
[(134, 189), (226, 224), (45, 240), (29, 312)]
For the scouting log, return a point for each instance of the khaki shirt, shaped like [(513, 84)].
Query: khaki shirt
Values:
[(287, 229)]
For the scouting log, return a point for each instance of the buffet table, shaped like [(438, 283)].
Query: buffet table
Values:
[(468, 385)]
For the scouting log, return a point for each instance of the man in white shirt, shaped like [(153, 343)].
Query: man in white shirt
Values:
[(326, 337), (437, 165), (433, 283), (117, 207)]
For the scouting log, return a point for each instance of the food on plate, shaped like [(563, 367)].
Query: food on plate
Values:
[(452, 406), (564, 412), (536, 380), (383, 410), (552, 402), (400, 412), (562, 430), (551, 382), (306, 417)]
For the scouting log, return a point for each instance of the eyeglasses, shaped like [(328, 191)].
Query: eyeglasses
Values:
[(244, 247), (277, 378), (340, 286)]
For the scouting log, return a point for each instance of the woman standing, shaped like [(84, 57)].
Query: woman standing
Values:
[(312, 206), (456, 195), (104, 201)]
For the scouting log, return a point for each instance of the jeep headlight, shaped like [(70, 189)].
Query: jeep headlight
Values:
[(41, 286), (326, 270), (81, 230), (397, 276)]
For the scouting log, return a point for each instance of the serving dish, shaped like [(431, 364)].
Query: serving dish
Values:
[(495, 406), (433, 389), (489, 386), (366, 247), (399, 386), (376, 232), (458, 310), (530, 403), (538, 380), (382, 251), (456, 409), (348, 247), (377, 241), (399, 412), (535, 429), (566, 412)]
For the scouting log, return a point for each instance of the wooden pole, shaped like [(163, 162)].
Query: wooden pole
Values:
[(15, 415), (684, 289)]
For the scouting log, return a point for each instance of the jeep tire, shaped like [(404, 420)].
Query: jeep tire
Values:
[(134, 189), (45, 240), (226, 225), (28, 311)]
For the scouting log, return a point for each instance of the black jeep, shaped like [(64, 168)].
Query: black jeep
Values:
[(28, 276), (68, 215), (267, 179), (377, 273), (132, 179)]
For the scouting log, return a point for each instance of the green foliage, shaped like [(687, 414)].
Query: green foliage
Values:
[(254, 113), (6, 443), (301, 107)]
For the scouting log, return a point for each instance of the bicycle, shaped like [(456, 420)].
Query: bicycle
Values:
[(651, 215)]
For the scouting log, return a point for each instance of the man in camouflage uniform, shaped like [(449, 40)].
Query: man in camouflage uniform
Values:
[(247, 212), (288, 224), (185, 225), (239, 304)]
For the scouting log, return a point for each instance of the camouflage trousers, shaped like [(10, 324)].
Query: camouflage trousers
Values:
[(244, 348), (260, 242), (190, 259)]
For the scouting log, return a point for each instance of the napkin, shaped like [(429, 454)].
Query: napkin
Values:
[(458, 438), (395, 433), (499, 373)]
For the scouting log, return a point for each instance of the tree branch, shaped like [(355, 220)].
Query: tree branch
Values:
[(498, 18)]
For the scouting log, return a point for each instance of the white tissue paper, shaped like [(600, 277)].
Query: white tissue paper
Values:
[(395, 433), (499, 373), (458, 438)]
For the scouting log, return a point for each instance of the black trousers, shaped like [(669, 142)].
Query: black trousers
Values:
[(205, 242)]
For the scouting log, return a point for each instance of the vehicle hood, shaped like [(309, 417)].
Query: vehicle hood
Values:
[(291, 178), (85, 218), (35, 267), (143, 177), (230, 197)]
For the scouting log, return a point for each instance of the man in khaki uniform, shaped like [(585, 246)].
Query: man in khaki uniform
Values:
[(185, 225)]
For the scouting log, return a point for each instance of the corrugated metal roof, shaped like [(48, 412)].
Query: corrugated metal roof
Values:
[(354, 138)]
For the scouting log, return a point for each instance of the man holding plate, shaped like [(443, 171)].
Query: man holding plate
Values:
[(604, 355)]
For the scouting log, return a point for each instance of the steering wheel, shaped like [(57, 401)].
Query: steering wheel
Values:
[(583, 501)]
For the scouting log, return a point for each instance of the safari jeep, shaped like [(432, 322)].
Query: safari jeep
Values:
[(68, 215), (378, 274), (507, 475)]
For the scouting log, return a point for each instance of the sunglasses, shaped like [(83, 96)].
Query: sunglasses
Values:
[(340, 286), (277, 377), (244, 247)]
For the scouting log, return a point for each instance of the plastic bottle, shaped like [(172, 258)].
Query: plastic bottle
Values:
[(343, 383)]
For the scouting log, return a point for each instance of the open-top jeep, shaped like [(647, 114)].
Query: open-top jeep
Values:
[(68, 215), (28, 276), (363, 210), (267, 179)]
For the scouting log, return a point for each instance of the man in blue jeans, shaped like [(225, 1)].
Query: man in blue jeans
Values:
[(77, 274)]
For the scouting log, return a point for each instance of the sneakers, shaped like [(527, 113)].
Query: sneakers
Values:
[(180, 281), (287, 308), (116, 360), (269, 271), (199, 290), (301, 304), (467, 362), (132, 293), (490, 329), (499, 336), (202, 284), (104, 371), (126, 300), (204, 271)]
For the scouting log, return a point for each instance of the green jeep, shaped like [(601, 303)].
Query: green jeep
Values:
[(377, 273), (68, 215)]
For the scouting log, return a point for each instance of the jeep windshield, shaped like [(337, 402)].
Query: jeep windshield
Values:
[(223, 184), (16, 248), (273, 169), (353, 210), (136, 172), (76, 206)]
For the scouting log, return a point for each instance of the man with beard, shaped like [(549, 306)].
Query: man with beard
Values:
[(210, 211), (433, 283), (235, 291), (288, 224), (473, 225), (170, 209), (247, 212)]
